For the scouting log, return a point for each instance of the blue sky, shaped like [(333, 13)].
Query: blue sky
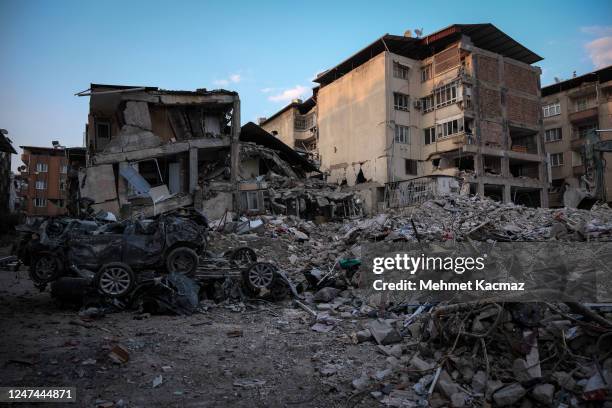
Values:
[(267, 51)]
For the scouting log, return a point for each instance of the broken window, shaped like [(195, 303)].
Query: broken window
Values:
[(552, 135), (430, 135), (299, 122), (400, 71), (402, 134), (427, 103), (426, 73), (410, 167), (446, 95), (62, 185), (401, 101), (556, 159), (449, 128), (103, 134), (552, 109)]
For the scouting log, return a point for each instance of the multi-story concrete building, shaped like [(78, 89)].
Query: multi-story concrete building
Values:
[(6, 150), (44, 181), (464, 101), (571, 109), (296, 125)]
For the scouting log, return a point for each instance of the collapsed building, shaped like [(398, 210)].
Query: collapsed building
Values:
[(461, 102), (149, 151), (147, 148)]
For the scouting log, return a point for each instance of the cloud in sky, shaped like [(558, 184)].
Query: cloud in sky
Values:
[(232, 79), (599, 49), (268, 90), (289, 94), (599, 31)]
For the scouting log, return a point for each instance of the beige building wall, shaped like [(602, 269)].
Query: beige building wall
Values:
[(352, 124), (284, 125)]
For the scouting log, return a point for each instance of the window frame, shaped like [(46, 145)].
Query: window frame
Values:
[(558, 132), (449, 128), (559, 160), (546, 109), (402, 98), (402, 134), (401, 71), (41, 200), (43, 183), (426, 73), (446, 95), (429, 135), (42, 167)]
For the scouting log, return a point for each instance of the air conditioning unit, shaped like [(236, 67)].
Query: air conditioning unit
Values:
[(417, 104)]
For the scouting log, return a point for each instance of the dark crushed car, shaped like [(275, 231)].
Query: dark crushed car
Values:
[(114, 251)]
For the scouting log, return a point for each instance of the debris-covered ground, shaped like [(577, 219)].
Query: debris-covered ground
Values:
[(339, 345)]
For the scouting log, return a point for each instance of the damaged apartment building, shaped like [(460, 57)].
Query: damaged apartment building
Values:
[(462, 104), (151, 150)]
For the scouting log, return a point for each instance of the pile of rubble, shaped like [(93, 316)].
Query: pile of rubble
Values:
[(476, 354), (460, 217)]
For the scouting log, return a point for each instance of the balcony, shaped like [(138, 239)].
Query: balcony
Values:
[(577, 143), (583, 113)]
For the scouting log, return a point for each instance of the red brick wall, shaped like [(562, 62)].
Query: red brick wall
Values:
[(522, 110), (488, 69), (491, 133), (490, 102), (519, 78)]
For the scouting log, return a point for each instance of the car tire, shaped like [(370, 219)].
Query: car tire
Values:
[(260, 277), (243, 256), (115, 280), (182, 260), (45, 267)]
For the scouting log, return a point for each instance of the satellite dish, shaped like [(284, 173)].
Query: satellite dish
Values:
[(407, 33)]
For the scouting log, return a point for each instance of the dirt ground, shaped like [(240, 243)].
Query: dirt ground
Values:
[(266, 356)]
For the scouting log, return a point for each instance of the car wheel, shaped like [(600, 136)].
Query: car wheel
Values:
[(182, 260), (260, 276), (115, 280), (45, 268), (243, 256)]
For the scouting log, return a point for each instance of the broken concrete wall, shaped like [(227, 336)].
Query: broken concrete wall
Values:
[(98, 184)]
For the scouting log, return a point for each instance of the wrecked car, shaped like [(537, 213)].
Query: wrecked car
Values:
[(115, 251)]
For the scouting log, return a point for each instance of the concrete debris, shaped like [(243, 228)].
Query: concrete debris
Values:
[(509, 395), (543, 393), (383, 332)]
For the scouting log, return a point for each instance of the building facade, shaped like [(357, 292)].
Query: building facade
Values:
[(6, 151), (463, 102), (296, 126), (571, 109), (43, 183)]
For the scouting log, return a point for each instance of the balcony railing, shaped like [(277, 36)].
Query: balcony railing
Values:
[(579, 107)]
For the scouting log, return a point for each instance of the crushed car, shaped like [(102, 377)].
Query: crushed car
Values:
[(113, 255), (114, 251)]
